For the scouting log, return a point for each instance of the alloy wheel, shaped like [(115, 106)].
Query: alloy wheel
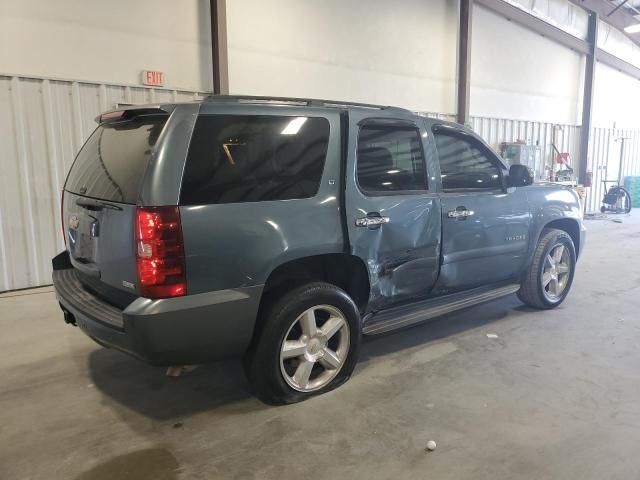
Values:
[(315, 348), (556, 272)]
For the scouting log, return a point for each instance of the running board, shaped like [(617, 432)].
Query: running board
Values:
[(405, 315)]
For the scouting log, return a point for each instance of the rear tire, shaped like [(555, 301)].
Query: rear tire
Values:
[(548, 279), (307, 345)]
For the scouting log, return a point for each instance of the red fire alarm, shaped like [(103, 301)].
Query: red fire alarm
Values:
[(153, 77)]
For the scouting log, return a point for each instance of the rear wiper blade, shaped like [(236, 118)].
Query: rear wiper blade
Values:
[(92, 204)]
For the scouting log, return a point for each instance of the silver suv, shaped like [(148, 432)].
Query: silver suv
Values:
[(282, 230)]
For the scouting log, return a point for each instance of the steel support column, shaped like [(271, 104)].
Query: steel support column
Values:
[(464, 60), (219, 59), (587, 98)]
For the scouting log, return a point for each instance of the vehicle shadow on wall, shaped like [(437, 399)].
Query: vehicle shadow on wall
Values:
[(149, 392)]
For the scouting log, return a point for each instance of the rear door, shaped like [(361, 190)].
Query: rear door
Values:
[(100, 197), (392, 211), (485, 227)]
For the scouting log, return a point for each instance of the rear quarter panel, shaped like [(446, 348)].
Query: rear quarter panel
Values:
[(237, 245)]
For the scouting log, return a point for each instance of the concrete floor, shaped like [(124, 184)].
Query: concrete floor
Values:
[(556, 395)]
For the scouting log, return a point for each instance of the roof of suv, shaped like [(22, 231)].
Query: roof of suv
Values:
[(314, 102), (251, 100), (293, 101)]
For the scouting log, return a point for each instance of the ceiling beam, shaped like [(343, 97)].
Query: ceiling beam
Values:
[(618, 64), (617, 18), (561, 37), (536, 24)]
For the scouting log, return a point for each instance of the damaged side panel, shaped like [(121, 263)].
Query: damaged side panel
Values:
[(393, 218), (402, 256)]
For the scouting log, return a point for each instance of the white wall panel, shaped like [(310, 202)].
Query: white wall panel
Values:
[(616, 99), (401, 53), (516, 73), (110, 41), (396, 53), (43, 123)]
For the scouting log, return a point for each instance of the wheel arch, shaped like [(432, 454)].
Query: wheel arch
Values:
[(569, 225), (346, 271)]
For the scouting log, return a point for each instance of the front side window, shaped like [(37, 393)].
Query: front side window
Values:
[(464, 163), (253, 158), (390, 159)]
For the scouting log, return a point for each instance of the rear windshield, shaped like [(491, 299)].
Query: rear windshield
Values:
[(113, 161), (241, 158)]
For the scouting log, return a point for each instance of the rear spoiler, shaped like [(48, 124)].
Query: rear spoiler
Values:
[(129, 113)]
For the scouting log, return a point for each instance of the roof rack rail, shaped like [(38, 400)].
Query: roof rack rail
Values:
[(293, 101)]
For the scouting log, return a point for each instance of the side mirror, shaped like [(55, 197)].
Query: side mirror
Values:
[(519, 176)]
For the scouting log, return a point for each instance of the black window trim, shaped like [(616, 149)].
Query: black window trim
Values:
[(453, 131), (391, 122)]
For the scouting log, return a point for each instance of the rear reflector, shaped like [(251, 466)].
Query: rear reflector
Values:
[(160, 252)]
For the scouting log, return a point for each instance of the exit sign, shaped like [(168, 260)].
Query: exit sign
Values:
[(153, 77)]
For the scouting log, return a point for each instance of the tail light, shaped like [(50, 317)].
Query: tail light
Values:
[(160, 252)]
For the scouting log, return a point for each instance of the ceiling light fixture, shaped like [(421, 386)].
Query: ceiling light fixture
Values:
[(632, 28)]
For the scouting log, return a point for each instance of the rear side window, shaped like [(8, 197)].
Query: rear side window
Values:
[(112, 163), (251, 158), (465, 163), (390, 159)]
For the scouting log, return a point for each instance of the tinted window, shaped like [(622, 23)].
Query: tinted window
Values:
[(112, 163), (236, 158), (390, 158), (465, 163)]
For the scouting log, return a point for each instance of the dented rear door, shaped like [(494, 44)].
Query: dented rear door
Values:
[(392, 210)]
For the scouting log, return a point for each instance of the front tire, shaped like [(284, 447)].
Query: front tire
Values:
[(548, 279), (308, 344)]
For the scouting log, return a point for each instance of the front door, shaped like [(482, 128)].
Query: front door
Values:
[(485, 227), (393, 213)]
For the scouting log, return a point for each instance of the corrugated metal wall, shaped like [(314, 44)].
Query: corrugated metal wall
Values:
[(43, 123), (495, 131), (604, 160), (604, 148)]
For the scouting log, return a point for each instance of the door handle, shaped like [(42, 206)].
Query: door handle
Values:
[(371, 221), (460, 212)]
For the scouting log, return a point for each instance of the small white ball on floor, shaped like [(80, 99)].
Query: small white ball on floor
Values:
[(431, 445)]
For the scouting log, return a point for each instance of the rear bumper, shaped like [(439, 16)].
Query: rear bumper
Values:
[(178, 331)]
